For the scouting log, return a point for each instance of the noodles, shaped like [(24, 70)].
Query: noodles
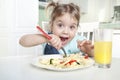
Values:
[(71, 61)]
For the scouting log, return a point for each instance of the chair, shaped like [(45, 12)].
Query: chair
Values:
[(87, 34), (86, 29)]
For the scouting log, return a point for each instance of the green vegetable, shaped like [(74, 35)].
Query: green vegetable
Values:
[(51, 61), (78, 63)]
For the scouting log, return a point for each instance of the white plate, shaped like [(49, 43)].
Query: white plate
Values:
[(36, 63)]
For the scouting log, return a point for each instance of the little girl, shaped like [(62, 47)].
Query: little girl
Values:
[(64, 21)]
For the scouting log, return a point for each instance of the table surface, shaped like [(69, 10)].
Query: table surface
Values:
[(20, 68)]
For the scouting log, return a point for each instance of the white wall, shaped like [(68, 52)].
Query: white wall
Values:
[(117, 2), (95, 10), (17, 17), (116, 44), (98, 10)]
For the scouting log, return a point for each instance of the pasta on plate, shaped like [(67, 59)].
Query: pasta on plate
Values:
[(71, 62)]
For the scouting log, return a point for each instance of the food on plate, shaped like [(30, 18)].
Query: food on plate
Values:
[(71, 61)]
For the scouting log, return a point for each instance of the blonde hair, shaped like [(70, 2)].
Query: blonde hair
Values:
[(60, 9)]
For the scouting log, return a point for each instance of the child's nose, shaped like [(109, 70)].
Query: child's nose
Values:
[(66, 30)]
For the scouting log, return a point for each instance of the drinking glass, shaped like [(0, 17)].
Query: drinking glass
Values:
[(103, 47)]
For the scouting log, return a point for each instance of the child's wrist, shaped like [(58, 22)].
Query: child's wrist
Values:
[(91, 53)]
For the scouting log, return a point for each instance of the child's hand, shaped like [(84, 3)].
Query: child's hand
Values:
[(86, 46), (55, 41)]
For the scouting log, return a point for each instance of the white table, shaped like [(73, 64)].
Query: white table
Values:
[(19, 68)]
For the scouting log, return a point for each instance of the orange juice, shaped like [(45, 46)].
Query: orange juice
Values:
[(103, 52)]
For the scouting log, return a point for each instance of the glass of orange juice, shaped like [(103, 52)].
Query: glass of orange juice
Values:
[(103, 47)]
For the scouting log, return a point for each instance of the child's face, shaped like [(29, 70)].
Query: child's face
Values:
[(65, 27)]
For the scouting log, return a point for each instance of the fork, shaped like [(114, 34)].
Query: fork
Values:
[(49, 38)]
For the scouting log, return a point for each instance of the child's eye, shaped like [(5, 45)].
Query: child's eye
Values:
[(72, 27), (60, 25)]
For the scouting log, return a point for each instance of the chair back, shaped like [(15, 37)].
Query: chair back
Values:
[(86, 29)]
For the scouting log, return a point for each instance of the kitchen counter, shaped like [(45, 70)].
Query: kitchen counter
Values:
[(110, 25), (20, 68)]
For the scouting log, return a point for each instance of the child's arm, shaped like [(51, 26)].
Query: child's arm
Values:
[(32, 40)]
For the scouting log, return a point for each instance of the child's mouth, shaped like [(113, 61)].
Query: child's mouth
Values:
[(64, 40)]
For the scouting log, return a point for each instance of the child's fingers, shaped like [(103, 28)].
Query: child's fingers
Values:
[(82, 43), (87, 44), (58, 45), (83, 49), (56, 42), (92, 46)]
